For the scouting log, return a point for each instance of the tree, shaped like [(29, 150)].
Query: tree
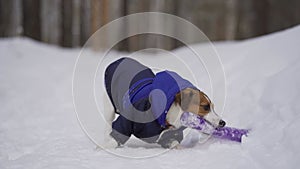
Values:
[(31, 19)]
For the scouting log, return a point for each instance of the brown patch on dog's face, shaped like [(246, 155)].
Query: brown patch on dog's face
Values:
[(194, 101)]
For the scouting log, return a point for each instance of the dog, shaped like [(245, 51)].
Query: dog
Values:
[(150, 105)]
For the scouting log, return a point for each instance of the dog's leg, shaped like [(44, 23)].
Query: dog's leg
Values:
[(109, 116)]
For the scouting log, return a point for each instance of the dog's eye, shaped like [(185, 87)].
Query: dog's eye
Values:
[(191, 94), (206, 107)]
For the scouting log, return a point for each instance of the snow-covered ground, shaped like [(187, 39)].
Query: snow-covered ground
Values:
[(39, 128)]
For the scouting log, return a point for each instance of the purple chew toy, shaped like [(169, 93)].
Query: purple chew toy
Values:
[(196, 122)]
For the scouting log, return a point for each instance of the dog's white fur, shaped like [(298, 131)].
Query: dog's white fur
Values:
[(109, 116), (174, 114)]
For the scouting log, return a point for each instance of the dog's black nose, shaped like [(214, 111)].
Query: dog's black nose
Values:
[(222, 123)]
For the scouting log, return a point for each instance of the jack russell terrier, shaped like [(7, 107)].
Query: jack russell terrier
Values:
[(150, 105)]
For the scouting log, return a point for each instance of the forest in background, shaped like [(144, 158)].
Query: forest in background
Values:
[(69, 23)]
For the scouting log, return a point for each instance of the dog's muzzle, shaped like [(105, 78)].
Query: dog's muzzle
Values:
[(214, 119)]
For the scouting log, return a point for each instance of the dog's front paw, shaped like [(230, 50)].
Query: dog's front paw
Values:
[(174, 145), (111, 144)]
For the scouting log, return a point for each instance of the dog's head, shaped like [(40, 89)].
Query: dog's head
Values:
[(197, 102)]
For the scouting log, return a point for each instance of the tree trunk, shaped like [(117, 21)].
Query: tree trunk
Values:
[(67, 32), (76, 23), (31, 19), (85, 24), (231, 19), (51, 21), (96, 23), (161, 41)]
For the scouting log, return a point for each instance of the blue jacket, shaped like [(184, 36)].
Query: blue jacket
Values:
[(144, 103), (165, 86)]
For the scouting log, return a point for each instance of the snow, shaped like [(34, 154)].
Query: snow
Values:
[(39, 128)]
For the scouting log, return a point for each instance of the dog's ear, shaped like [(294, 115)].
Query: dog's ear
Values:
[(178, 98), (183, 98)]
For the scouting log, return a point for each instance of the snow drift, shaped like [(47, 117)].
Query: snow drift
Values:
[(39, 129)]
